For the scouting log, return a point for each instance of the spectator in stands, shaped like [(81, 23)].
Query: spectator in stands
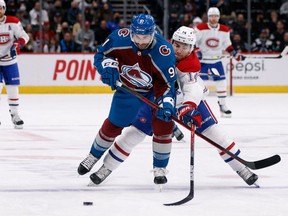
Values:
[(73, 12), (47, 34), (114, 23), (176, 9), (190, 7), (101, 33), (240, 26), (106, 12), (277, 36), (37, 15), (96, 14), (52, 47), (31, 46), (274, 17), (263, 44), (257, 25), (77, 25), (67, 44), (239, 44), (58, 10), (23, 17), (86, 46), (86, 33), (56, 25)]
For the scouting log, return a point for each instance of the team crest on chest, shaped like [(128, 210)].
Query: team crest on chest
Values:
[(136, 76), (4, 38), (212, 42)]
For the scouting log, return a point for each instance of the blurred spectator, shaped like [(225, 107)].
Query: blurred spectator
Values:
[(224, 7), (277, 36), (240, 26), (52, 47), (47, 34), (114, 23), (175, 10), (86, 47), (64, 28), (56, 25), (77, 25), (190, 7), (37, 15), (67, 44), (185, 20), (58, 10), (73, 12), (102, 32), (263, 44), (23, 17), (274, 17), (238, 44), (86, 33), (284, 8), (106, 12), (257, 25), (11, 8), (284, 43), (96, 14)]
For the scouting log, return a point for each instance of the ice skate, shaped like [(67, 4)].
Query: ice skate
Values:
[(17, 121), (160, 175), (177, 133), (225, 112), (100, 175), (249, 177), (86, 165)]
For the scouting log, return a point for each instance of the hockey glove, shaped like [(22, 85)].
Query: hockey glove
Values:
[(237, 56), (189, 115), (110, 72), (166, 109), (15, 49), (199, 54)]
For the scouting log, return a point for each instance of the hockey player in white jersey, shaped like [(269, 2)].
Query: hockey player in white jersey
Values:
[(12, 37), (192, 107), (213, 39)]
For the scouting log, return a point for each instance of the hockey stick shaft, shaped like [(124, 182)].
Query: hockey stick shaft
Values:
[(190, 196), (253, 165), (283, 53)]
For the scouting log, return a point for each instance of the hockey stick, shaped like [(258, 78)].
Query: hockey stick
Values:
[(190, 196), (283, 53), (251, 164)]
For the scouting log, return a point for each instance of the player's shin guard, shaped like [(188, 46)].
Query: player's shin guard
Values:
[(161, 153)]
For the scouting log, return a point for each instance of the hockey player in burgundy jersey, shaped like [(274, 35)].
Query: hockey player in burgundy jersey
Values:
[(212, 39), (193, 107), (145, 62), (12, 37)]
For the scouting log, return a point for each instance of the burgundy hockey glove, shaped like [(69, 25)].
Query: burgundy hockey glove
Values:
[(189, 115)]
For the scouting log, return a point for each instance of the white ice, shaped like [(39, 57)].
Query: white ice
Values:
[(38, 164)]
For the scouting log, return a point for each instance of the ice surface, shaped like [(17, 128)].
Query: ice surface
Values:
[(39, 163)]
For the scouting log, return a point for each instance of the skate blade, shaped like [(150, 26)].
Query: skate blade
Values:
[(256, 184), (91, 184), (224, 115), (18, 126)]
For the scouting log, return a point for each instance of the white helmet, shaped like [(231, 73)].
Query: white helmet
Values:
[(213, 11), (3, 4), (185, 35)]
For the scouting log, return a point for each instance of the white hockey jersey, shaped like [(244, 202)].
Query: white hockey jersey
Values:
[(212, 42), (11, 30)]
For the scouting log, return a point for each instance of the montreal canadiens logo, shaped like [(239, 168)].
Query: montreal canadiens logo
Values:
[(164, 50), (136, 76), (4, 38), (123, 32), (212, 42)]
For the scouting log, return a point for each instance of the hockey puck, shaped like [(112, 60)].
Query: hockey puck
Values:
[(87, 203)]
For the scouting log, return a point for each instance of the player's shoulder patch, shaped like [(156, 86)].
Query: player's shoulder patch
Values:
[(203, 26), (124, 32), (12, 19), (224, 28)]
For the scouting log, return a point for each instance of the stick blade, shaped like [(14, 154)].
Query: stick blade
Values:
[(185, 200), (264, 163)]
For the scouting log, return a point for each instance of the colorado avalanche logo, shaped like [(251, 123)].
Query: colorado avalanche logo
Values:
[(136, 76), (123, 32), (164, 50), (212, 42)]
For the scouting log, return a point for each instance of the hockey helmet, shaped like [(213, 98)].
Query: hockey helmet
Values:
[(143, 24), (185, 35), (3, 4), (213, 11)]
